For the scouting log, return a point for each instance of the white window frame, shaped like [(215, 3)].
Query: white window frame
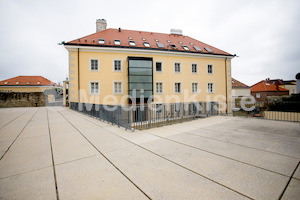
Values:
[(121, 70), (180, 87), (94, 70), (213, 88), (117, 93), (257, 95), (162, 68), (195, 92), (179, 68), (162, 87), (212, 69), (196, 68), (90, 88)]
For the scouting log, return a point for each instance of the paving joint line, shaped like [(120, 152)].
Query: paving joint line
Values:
[(219, 155), (26, 172), (14, 119), (178, 164), (18, 135), (239, 144), (291, 177), (106, 157), (75, 160), (52, 157)]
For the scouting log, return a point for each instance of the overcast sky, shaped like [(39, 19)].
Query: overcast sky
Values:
[(264, 34)]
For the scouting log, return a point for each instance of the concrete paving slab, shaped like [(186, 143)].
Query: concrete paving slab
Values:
[(251, 181), (161, 179), (94, 178), (35, 185), (297, 173), (236, 138), (9, 114), (293, 190), (274, 162)]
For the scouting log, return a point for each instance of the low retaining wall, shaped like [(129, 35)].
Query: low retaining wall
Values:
[(282, 116), (22, 99)]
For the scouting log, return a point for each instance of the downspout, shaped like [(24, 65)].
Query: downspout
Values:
[(78, 76), (226, 82)]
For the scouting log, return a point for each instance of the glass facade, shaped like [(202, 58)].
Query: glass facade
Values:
[(140, 76)]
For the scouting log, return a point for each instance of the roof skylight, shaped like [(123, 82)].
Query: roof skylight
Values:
[(160, 45), (180, 42), (130, 38), (132, 43), (146, 44), (156, 40), (143, 39), (191, 43), (17, 83), (117, 42), (5, 83), (38, 83), (267, 83), (101, 41), (168, 41), (28, 83), (208, 49), (173, 46), (197, 48), (185, 47)]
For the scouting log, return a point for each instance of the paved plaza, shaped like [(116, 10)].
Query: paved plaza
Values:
[(57, 153)]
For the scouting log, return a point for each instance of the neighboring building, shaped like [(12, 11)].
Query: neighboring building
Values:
[(286, 84), (115, 62), (26, 84), (298, 82), (239, 89), (263, 89)]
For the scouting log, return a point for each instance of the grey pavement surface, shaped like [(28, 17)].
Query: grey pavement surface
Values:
[(57, 153)]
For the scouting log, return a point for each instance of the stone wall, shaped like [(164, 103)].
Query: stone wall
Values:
[(22, 99)]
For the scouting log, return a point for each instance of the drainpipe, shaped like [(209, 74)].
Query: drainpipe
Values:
[(78, 76), (226, 82)]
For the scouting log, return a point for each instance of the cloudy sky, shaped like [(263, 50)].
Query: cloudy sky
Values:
[(264, 34)]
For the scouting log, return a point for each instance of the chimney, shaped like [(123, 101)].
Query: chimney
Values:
[(100, 25)]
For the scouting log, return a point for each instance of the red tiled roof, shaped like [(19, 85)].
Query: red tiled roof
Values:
[(264, 86), (27, 80), (141, 36), (237, 84)]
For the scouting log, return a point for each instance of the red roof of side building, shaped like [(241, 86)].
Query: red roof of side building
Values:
[(238, 84), (139, 37), (264, 86), (27, 80)]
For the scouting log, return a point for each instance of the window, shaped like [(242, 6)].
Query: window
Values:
[(194, 68), (17, 83), (118, 88), (158, 66), (28, 83), (117, 65), (132, 43), (130, 38), (5, 83), (210, 88), (38, 83), (156, 40), (117, 42), (160, 45), (94, 88), (185, 47), (177, 67), (173, 46), (101, 41), (177, 87), (210, 69), (195, 88), (94, 65), (197, 48), (146, 44), (257, 95), (159, 88), (143, 39), (208, 49)]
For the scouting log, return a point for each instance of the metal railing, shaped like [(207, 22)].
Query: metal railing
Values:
[(149, 115)]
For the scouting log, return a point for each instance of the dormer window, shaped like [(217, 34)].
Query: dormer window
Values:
[(101, 41), (160, 45), (132, 43), (38, 83), (146, 44), (117, 42), (17, 83), (173, 46), (185, 47)]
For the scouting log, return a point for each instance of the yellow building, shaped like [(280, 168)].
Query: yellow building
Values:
[(26, 84), (107, 66)]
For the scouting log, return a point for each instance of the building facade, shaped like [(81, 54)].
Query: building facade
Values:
[(112, 65), (240, 89)]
